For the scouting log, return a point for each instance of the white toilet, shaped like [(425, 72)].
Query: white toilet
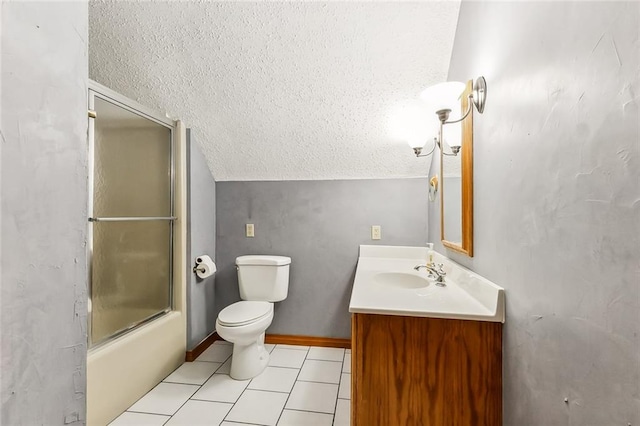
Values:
[(262, 280)]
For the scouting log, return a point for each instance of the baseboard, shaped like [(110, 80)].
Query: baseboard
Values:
[(283, 339), (201, 347), (330, 342)]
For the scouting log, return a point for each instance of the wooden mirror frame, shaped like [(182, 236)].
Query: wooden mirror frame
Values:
[(466, 151)]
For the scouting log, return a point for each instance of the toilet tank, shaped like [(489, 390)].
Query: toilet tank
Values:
[(264, 278)]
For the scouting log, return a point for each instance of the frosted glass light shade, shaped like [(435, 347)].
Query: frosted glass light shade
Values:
[(416, 143), (443, 95), (412, 122), (452, 135)]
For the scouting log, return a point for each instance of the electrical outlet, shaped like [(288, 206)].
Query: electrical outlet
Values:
[(250, 231), (376, 232)]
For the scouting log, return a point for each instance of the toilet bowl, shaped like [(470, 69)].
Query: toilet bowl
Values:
[(244, 324), (262, 280)]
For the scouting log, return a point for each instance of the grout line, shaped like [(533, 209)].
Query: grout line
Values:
[(145, 412), (291, 391), (183, 404), (309, 411), (261, 390), (268, 390), (290, 368), (223, 363), (194, 384), (159, 414), (211, 400), (335, 408), (289, 348), (183, 383), (322, 383), (243, 390), (277, 366)]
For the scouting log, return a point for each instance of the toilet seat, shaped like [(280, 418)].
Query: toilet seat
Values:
[(244, 313)]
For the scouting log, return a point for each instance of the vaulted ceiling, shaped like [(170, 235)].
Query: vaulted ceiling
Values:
[(273, 91)]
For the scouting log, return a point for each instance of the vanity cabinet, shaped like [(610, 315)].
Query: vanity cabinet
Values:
[(425, 371)]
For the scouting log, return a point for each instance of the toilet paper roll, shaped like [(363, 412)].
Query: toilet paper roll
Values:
[(205, 267)]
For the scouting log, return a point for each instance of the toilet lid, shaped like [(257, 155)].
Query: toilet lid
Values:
[(244, 312)]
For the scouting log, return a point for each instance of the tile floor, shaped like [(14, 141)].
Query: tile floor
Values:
[(302, 386)]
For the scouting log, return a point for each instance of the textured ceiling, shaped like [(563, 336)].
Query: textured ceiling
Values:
[(272, 91)]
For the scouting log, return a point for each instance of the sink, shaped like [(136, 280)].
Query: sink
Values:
[(401, 280), (386, 283)]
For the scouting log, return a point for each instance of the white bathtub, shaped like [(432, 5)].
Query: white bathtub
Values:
[(121, 371)]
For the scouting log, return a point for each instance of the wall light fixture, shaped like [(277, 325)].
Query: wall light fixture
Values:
[(444, 97)]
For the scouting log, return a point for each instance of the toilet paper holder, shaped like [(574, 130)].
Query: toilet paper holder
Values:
[(204, 267)]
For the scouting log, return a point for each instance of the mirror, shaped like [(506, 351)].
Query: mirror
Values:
[(456, 190)]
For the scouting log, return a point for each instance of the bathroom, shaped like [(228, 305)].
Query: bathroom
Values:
[(285, 110)]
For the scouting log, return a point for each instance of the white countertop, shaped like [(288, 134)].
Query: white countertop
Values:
[(467, 295)]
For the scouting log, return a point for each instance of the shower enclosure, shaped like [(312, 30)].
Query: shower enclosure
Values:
[(131, 218), (137, 251)]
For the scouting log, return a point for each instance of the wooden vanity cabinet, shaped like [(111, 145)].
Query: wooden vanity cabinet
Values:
[(425, 371)]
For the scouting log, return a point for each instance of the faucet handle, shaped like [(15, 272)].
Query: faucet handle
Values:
[(441, 269)]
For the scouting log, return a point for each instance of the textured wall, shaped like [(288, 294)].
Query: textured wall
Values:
[(201, 234), (44, 212), (320, 225), (557, 202), (279, 90)]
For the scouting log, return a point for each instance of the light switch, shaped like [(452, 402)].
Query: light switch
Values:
[(250, 230), (376, 232)]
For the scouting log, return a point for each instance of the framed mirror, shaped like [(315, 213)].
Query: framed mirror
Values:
[(456, 190)]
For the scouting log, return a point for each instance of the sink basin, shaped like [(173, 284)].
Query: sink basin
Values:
[(400, 280)]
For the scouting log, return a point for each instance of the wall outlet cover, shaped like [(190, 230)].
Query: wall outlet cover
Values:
[(376, 232), (250, 230)]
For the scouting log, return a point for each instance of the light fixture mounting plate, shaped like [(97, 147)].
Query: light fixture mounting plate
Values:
[(480, 93)]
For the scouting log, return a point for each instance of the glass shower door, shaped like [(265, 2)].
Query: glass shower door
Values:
[(131, 219)]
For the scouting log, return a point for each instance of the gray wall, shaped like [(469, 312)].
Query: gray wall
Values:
[(44, 213), (557, 202), (320, 225), (201, 234)]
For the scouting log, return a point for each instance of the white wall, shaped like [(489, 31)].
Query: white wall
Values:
[(44, 190), (557, 202)]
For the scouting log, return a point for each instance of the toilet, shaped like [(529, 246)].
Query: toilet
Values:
[(262, 281)]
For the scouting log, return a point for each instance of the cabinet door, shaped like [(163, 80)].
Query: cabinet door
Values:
[(425, 371)]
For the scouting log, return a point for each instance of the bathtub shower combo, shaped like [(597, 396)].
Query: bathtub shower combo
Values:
[(132, 230)]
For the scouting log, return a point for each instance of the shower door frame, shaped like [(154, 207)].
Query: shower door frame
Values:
[(108, 95)]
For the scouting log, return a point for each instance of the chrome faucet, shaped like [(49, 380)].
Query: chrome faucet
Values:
[(436, 272)]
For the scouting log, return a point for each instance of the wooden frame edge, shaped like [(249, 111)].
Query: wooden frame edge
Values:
[(467, 175), (466, 246), (194, 353)]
